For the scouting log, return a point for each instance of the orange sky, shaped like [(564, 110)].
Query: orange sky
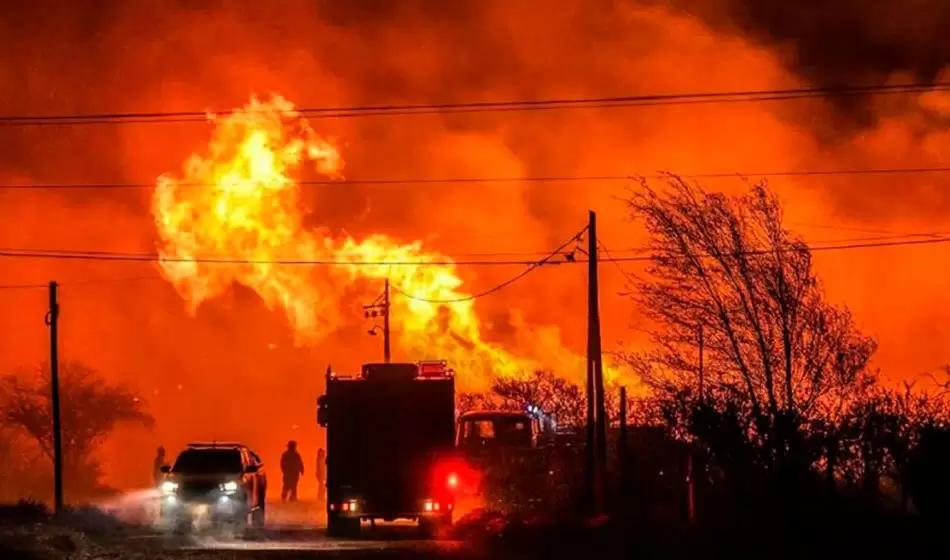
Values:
[(207, 375)]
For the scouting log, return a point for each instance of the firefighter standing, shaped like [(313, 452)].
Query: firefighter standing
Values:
[(157, 464), (321, 475), (291, 466)]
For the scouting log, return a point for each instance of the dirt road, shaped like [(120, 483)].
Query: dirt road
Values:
[(292, 531), (299, 528)]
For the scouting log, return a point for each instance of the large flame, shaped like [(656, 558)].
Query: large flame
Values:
[(236, 210)]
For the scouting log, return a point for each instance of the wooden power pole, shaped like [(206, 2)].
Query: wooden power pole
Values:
[(381, 307), (589, 452), (52, 320), (696, 467), (597, 453), (702, 386), (622, 444), (387, 355)]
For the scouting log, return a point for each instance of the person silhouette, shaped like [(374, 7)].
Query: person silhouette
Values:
[(291, 466), (157, 464), (321, 475)]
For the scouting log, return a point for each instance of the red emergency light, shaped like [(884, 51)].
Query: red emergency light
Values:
[(454, 477)]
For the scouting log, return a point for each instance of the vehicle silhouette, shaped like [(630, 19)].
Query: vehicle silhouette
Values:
[(226, 481)]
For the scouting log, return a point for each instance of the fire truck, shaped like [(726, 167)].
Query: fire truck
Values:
[(390, 445), (513, 453)]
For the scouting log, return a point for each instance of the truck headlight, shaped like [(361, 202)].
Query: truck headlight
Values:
[(168, 487), (229, 487)]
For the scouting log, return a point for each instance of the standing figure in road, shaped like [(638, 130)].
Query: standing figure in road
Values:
[(291, 466), (157, 465), (321, 475)]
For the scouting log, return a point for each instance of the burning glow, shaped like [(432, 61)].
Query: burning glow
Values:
[(236, 210)]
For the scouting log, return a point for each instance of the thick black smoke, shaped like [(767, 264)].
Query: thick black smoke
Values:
[(840, 42)]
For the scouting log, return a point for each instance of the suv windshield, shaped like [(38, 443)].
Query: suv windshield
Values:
[(208, 461)]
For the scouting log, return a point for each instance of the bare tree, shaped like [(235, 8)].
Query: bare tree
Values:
[(26, 474), (556, 396), (564, 400), (726, 265), (91, 409)]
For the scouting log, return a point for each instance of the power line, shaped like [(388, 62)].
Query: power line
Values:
[(740, 96), (813, 245), (631, 277), (531, 268), (154, 258), (889, 232), (119, 280), (142, 257), (841, 247), (547, 255), (891, 236), (501, 180), (84, 282), (24, 286)]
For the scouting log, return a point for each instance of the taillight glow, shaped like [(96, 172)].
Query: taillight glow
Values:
[(349, 505), (453, 476)]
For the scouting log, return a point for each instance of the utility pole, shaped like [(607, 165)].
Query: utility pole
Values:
[(702, 388), (695, 464), (690, 496), (387, 356), (602, 420), (589, 453), (52, 320), (622, 445), (380, 306), (595, 369)]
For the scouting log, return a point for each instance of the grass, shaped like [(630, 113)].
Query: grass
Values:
[(29, 530), (832, 533)]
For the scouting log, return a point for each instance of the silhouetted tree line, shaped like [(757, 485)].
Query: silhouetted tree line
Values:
[(782, 406), (91, 408), (767, 384)]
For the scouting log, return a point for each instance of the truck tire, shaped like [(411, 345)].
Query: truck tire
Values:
[(427, 528), (342, 526), (334, 528), (437, 527)]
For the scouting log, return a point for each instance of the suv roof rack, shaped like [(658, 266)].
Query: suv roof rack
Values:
[(216, 444)]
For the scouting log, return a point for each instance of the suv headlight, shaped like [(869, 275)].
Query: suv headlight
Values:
[(168, 487), (229, 487)]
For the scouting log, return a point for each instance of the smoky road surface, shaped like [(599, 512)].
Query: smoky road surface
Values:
[(129, 527), (297, 543), (316, 542), (298, 530)]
